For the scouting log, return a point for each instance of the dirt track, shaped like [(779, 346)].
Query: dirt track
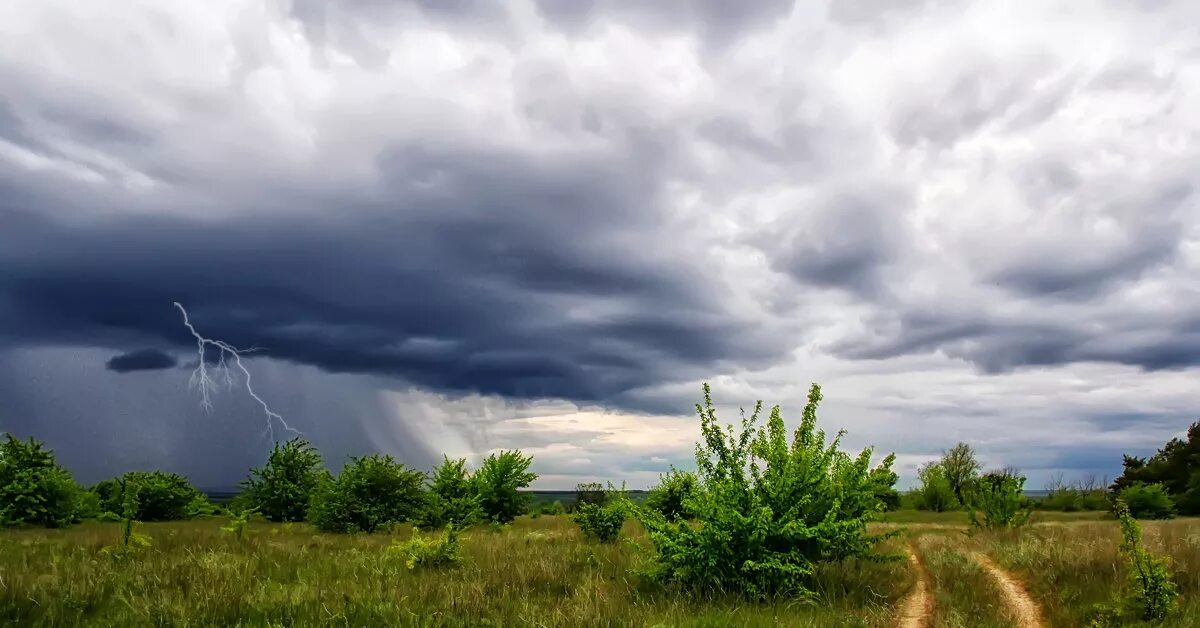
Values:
[(1024, 609), (918, 608)]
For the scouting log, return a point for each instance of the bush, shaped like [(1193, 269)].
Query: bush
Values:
[(1176, 466), (87, 505), (420, 551), (883, 482), (768, 511), (451, 498), (160, 496), (371, 492), (1152, 591), (671, 495), (34, 489), (498, 482), (999, 497), (281, 489), (200, 507), (589, 493), (935, 493), (603, 521), (1147, 501)]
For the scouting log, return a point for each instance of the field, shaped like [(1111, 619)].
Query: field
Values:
[(542, 572)]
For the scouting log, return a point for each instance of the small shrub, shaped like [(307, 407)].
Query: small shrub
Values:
[(590, 493), (87, 505), (131, 540), (370, 493), (935, 493), (451, 498), (997, 496), (239, 524), (282, 488), (883, 483), (670, 497), (603, 521), (1153, 591), (498, 482), (421, 551), (108, 516), (1147, 501), (34, 489), (201, 508)]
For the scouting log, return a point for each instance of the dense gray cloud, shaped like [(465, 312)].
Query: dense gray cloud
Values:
[(492, 218)]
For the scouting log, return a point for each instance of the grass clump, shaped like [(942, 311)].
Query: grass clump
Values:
[(421, 551)]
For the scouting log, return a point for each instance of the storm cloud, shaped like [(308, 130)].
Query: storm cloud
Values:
[(476, 221)]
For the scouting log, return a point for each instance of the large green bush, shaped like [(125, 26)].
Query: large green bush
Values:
[(371, 492), (451, 498), (498, 482), (883, 483), (34, 489), (997, 500), (768, 507), (1147, 501), (935, 492), (160, 496), (281, 489), (603, 520), (669, 498)]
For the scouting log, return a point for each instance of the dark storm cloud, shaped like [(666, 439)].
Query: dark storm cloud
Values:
[(141, 360), (714, 20)]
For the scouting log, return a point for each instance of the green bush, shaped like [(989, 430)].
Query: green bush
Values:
[(603, 520), (589, 493), (768, 508), (282, 489), (34, 489), (1152, 591), (935, 492), (371, 492), (883, 483), (1147, 501), (201, 507), (1176, 466), (160, 496), (87, 505), (451, 498), (997, 500), (497, 482), (669, 498), (421, 551)]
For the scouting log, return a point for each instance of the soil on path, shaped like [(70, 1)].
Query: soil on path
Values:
[(1027, 612), (918, 607)]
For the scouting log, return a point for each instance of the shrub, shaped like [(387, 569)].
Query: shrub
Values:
[(160, 496), (589, 493), (883, 483), (420, 551), (34, 489), (87, 505), (1147, 501), (1152, 591), (498, 482), (935, 492), (451, 497), (282, 488), (603, 520), (548, 507), (999, 497), (201, 507), (1176, 466), (671, 495), (371, 492), (767, 510)]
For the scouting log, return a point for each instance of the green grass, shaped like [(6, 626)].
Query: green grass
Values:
[(959, 518), (963, 594), (536, 572)]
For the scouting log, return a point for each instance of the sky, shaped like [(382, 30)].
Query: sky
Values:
[(455, 227)]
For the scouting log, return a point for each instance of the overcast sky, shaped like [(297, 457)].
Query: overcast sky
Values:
[(462, 226)]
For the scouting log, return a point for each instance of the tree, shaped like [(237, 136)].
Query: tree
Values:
[(961, 468), (935, 492), (160, 496), (34, 489), (498, 482), (371, 492), (589, 493), (1147, 501), (1176, 466), (451, 498), (883, 482), (671, 495), (768, 507), (281, 489), (997, 500)]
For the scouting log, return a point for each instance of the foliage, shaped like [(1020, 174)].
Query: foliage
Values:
[(1147, 501), (604, 519), (451, 498), (1176, 467), (1153, 591), (960, 468), (371, 492), (34, 489), (768, 512), (87, 505), (589, 493), (999, 497), (161, 496), (421, 551), (239, 524), (282, 488), (548, 507), (498, 482), (131, 540), (1086, 494), (883, 483), (201, 507), (935, 492), (670, 497)]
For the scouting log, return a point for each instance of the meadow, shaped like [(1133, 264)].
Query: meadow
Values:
[(541, 571)]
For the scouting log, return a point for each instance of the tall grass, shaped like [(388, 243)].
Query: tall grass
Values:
[(538, 572)]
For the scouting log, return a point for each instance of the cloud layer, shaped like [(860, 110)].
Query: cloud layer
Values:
[(954, 215)]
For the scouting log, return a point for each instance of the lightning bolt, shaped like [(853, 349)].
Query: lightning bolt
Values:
[(206, 382)]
